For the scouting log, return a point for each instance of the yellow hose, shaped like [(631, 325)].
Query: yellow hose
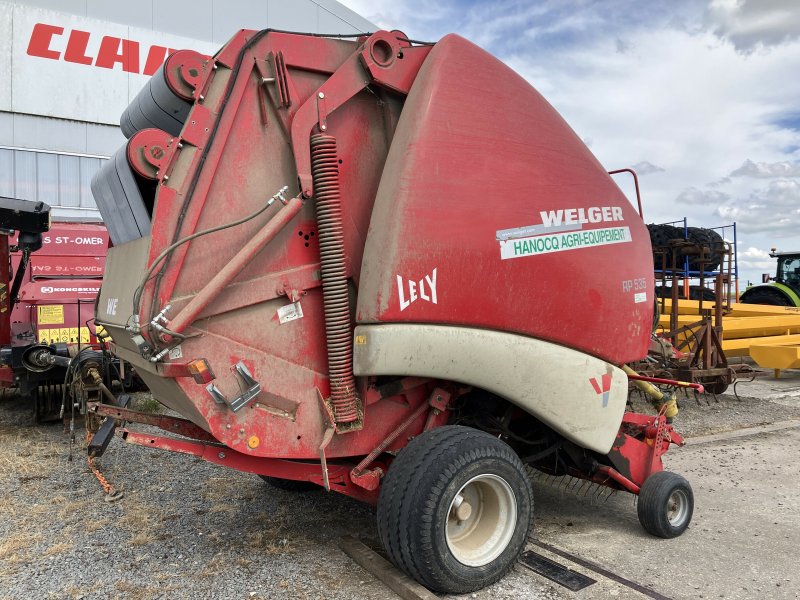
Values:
[(659, 398)]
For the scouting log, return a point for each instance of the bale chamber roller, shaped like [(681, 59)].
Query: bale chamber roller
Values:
[(390, 269)]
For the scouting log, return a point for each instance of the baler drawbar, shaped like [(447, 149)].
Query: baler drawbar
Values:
[(390, 269)]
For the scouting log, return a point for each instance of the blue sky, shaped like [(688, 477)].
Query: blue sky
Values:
[(701, 97)]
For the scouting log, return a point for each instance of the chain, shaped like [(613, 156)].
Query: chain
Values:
[(112, 493)]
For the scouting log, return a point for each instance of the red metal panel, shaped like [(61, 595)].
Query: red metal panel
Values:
[(74, 239), (479, 155), (44, 266), (5, 287), (65, 270)]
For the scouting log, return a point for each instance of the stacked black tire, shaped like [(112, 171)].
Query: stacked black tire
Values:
[(660, 236)]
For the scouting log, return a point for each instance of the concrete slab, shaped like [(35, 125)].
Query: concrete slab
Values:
[(741, 544)]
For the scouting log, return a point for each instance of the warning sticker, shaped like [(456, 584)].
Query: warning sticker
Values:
[(560, 242), (65, 335), (290, 312), (50, 314)]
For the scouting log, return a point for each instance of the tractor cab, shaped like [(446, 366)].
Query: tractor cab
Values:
[(788, 269)]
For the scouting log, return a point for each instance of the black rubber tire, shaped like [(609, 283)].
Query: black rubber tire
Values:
[(718, 386), (416, 497), (765, 295), (290, 485), (655, 503)]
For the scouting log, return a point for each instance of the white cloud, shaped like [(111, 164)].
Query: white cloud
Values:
[(697, 197), (774, 209), (646, 168), (755, 258), (749, 24), (767, 170)]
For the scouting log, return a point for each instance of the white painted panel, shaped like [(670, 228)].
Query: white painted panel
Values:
[(5, 55), (347, 18), (232, 15), (6, 129), (103, 140), (44, 82), (330, 23), (54, 87), (47, 133), (189, 18), (77, 7), (293, 16), (135, 13)]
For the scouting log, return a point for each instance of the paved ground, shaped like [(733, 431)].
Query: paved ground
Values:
[(186, 529)]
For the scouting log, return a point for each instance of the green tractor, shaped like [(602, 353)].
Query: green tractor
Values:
[(784, 289)]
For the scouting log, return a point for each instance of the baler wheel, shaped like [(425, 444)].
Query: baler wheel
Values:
[(666, 504), (455, 509), (290, 485)]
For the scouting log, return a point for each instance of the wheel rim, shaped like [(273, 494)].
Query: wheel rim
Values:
[(481, 520), (677, 508)]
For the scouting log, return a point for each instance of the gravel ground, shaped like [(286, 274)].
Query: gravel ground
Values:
[(706, 414), (189, 529), (184, 528)]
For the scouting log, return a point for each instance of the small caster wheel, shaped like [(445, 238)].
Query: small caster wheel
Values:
[(666, 504)]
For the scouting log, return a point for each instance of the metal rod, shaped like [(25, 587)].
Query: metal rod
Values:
[(636, 185), (619, 478), (359, 468), (672, 382), (242, 258)]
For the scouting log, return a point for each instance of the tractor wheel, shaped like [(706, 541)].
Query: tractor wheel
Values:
[(765, 295), (455, 509), (290, 485), (666, 504)]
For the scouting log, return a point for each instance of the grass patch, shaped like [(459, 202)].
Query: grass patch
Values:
[(16, 548), (147, 404)]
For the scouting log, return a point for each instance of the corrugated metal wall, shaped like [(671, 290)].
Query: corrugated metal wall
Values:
[(60, 180)]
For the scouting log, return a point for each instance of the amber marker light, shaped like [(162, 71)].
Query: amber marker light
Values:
[(201, 371)]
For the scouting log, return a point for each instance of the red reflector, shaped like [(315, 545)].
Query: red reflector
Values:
[(201, 371)]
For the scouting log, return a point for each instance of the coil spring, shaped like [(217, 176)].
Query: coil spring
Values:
[(336, 300)]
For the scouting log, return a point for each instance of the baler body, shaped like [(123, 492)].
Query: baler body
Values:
[(484, 245)]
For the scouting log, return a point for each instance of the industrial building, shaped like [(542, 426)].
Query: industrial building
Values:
[(65, 61)]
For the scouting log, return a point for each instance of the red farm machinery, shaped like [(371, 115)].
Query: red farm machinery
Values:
[(53, 272), (390, 269)]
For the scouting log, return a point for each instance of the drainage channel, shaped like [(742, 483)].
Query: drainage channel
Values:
[(572, 580)]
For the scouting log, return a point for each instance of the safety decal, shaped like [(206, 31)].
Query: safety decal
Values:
[(290, 312), (602, 387), (50, 314), (66, 335)]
